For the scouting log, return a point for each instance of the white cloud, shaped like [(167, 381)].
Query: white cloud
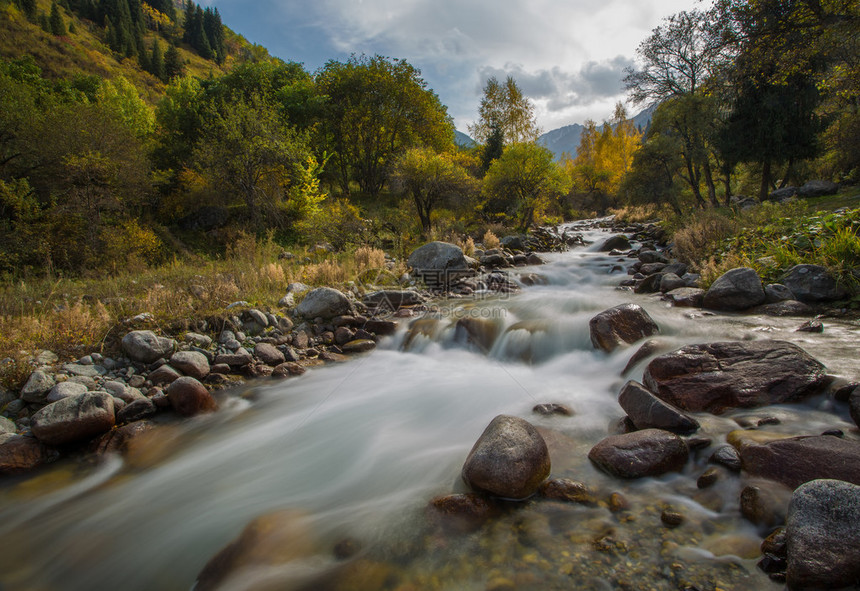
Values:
[(567, 55)]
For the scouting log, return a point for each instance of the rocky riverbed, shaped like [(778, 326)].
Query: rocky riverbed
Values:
[(626, 444)]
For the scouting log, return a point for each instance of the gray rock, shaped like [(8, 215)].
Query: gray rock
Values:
[(257, 317), (670, 282), (854, 405), (715, 377), (777, 292), (438, 263), (493, 261), (813, 283), (727, 456), (818, 189), (87, 371), (7, 426), (514, 242), (784, 308), (737, 289), (164, 375), (688, 297), (238, 359), (135, 411), (652, 256), (198, 340), (783, 194), (510, 459), (647, 411), (797, 460), (19, 453), (74, 419), (325, 302), (765, 503), (64, 390), (823, 536), (650, 452), (37, 387), (269, 354), (145, 346), (392, 298), (191, 363), (619, 241), (46, 358), (624, 324)]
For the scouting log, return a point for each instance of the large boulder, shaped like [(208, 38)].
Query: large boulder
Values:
[(823, 536), (715, 377), (438, 263), (818, 189), (37, 387), (813, 283), (617, 242), (74, 419), (510, 459), (145, 346), (686, 297), (191, 363), (624, 324), (796, 460), (737, 289), (324, 302), (650, 452), (649, 412)]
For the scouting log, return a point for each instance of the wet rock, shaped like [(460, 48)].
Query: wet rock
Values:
[(650, 284), (670, 282), (324, 302), (438, 263), (622, 324), (145, 346), (268, 541), (777, 292), (480, 332), (652, 268), (793, 461), (381, 327), (392, 298), (813, 326), (671, 519), (647, 411), (189, 397), (728, 456), (191, 363), (650, 452), (164, 375), (553, 408), (823, 536), (74, 419), (36, 388), (269, 354), (287, 369), (686, 297), (533, 259), (493, 261), (854, 405), (19, 453), (139, 409), (715, 377), (462, 512), (652, 256), (737, 289), (122, 439), (814, 283), (359, 346), (510, 459), (564, 489), (765, 503), (708, 478), (784, 308), (618, 502), (620, 242), (64, 390), (648, 348)]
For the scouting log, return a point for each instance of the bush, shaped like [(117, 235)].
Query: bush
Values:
[(490, 240)]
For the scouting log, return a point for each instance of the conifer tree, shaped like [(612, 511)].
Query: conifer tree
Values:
[(45, 22), (173, 65), (58, 25), (156, 61), (29, 8)]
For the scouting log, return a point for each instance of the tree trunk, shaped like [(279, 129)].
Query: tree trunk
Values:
[(787, 176), (709, 181), (765, 180), (693, 179), (727, 184)]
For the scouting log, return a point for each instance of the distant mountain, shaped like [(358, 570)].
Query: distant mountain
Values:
[(566, 139), (463, 140)]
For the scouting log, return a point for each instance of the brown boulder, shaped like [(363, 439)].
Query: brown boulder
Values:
[(189, 397), (718, 376), (19, 453), (510, 459), (461, 512), (650, 452), (624, 324), (564, 489), (74, 419), (796, 460)]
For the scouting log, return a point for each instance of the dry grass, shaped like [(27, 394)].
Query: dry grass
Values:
[(700, 236), (637, 214), (366, 257), (490, 240)]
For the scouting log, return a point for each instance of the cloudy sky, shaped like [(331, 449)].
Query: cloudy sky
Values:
[(568, 56)]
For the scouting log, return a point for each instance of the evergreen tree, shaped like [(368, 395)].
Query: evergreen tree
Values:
[(173, 65), (58, 25), (214, 31), (156, 61), (29, 8), (45, 22), (72, 28)]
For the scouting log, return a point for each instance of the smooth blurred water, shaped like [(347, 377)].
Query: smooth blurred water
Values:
[(360, 448)]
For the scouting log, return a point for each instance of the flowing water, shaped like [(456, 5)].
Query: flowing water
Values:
[(355, 451)]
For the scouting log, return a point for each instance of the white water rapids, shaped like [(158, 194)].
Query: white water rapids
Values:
[(360, 447)]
